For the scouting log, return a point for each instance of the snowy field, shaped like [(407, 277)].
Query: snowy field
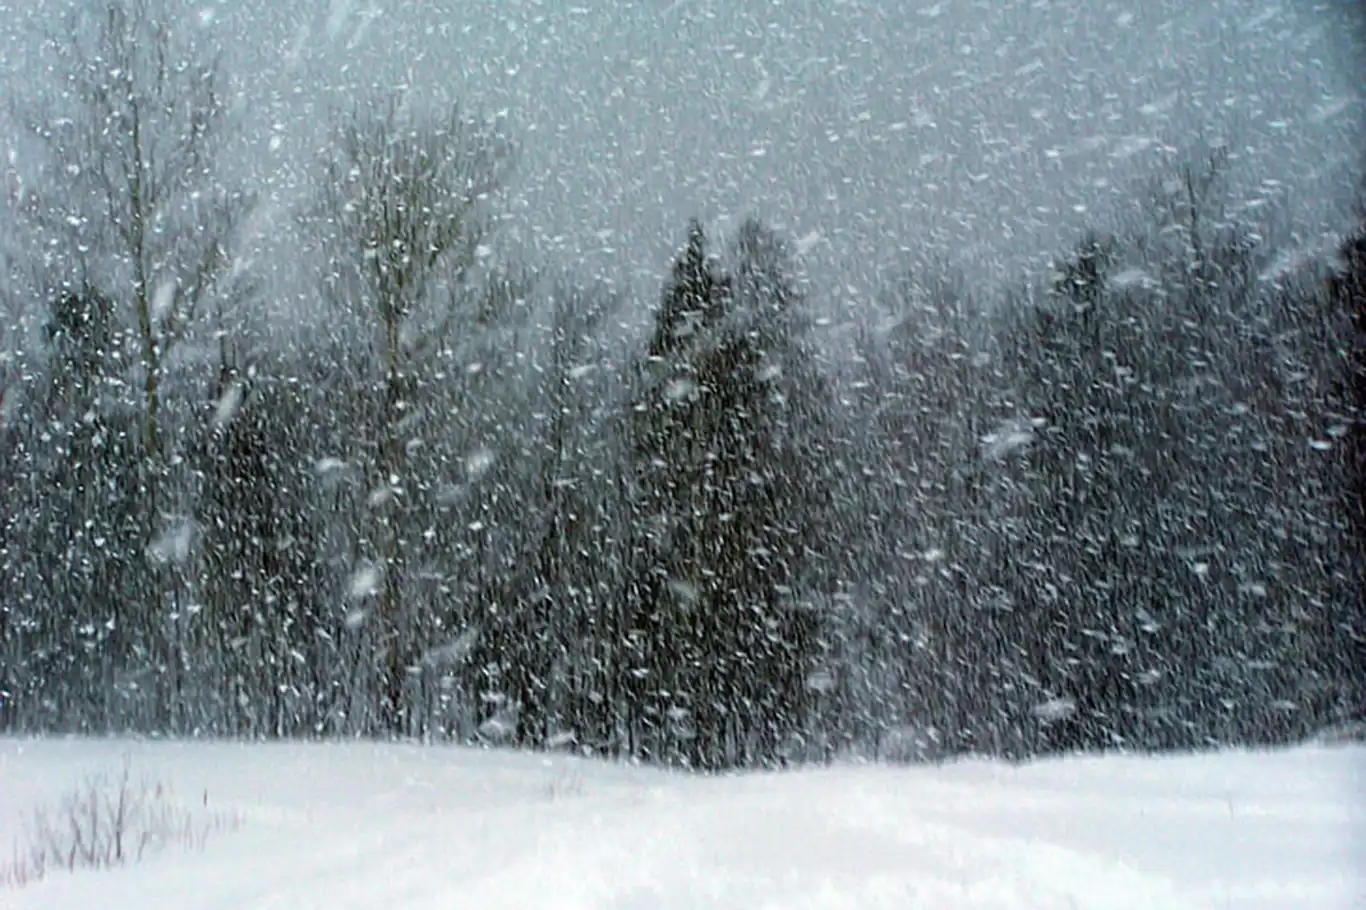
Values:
[(381, 826)]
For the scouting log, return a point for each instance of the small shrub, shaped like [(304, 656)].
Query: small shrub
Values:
[(107, 822)]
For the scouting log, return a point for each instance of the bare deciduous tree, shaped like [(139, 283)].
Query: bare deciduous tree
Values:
[(406, 206), (132, 203), (122, 234)]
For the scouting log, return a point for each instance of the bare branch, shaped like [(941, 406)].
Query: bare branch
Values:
[(407, 203), (130, 142)]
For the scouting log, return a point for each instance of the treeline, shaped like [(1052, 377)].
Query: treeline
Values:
[(1120, 510)]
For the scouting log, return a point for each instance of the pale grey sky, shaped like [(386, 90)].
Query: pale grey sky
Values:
[(992, 130)]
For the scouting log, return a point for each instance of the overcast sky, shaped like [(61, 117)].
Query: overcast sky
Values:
[(988, 129)]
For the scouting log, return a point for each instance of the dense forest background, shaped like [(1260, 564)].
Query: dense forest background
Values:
[(465, 496)]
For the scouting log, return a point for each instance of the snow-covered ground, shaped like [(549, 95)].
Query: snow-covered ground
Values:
[(383, 826)]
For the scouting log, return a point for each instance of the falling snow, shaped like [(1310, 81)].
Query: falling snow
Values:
[(702, 385)]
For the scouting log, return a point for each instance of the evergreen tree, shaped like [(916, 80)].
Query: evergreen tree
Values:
[(1170, 590), (74, 553), (1347, 289), (725, 483)]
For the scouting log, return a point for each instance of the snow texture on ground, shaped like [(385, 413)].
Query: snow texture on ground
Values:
[(360, 825)]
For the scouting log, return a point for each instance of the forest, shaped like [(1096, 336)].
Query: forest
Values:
[(1121, 507)]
